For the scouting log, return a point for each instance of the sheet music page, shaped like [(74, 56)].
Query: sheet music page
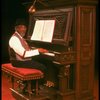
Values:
[(38, 30), (48, 30), (43, 30)]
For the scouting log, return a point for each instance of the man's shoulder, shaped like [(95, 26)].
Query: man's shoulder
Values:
[(14, 38)]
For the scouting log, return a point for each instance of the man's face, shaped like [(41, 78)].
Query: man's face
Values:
[(21, 30)]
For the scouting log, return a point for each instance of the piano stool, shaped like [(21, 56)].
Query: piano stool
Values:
[(22, 74)]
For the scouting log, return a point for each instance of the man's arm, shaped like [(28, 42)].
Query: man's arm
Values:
[(16, 45)]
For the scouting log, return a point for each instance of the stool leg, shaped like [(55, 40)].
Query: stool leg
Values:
[(29, 88), (12, 81), (37, 87)]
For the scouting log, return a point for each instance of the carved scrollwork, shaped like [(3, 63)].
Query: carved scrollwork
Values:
[(66, 57)]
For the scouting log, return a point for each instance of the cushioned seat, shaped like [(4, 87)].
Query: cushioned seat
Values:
[(23, 74)]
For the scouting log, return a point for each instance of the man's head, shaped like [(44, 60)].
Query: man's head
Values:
[(21, 27)]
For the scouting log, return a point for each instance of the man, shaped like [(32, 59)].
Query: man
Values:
[(21, 54)]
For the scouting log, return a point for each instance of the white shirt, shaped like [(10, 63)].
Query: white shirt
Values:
[(16, 45)]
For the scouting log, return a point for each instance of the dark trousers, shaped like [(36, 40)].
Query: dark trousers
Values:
[(44, 65)]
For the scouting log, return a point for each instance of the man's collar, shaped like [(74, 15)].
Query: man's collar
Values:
[(18, 34)]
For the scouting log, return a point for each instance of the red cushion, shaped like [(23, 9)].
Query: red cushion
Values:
[(22, 71), (26, 71)]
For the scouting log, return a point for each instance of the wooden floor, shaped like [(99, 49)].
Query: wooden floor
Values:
[(6, 94)]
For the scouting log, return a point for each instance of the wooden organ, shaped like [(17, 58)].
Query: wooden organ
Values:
[(62, 46)]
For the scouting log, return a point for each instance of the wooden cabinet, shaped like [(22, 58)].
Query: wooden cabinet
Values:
[(85, 25), (84, 30)]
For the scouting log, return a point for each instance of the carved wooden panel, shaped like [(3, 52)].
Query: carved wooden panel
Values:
[(84, 76), (86, 49), (86, 28), (65, 58), (86, 32)]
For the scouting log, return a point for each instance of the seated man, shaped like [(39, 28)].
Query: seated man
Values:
[(21, 54)]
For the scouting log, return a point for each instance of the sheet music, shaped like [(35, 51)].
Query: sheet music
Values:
[(37, 32), (43, 30)]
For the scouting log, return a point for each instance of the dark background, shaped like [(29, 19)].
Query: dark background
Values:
[(13, 9), (10, 11)]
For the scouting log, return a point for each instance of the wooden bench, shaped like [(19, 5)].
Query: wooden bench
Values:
[(22, 74)]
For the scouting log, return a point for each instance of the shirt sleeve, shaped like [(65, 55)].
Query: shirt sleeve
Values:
[(16, 45)]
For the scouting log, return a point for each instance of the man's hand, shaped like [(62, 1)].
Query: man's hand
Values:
[(41, 50)]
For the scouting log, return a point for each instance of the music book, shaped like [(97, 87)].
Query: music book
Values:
[(43, 30)]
